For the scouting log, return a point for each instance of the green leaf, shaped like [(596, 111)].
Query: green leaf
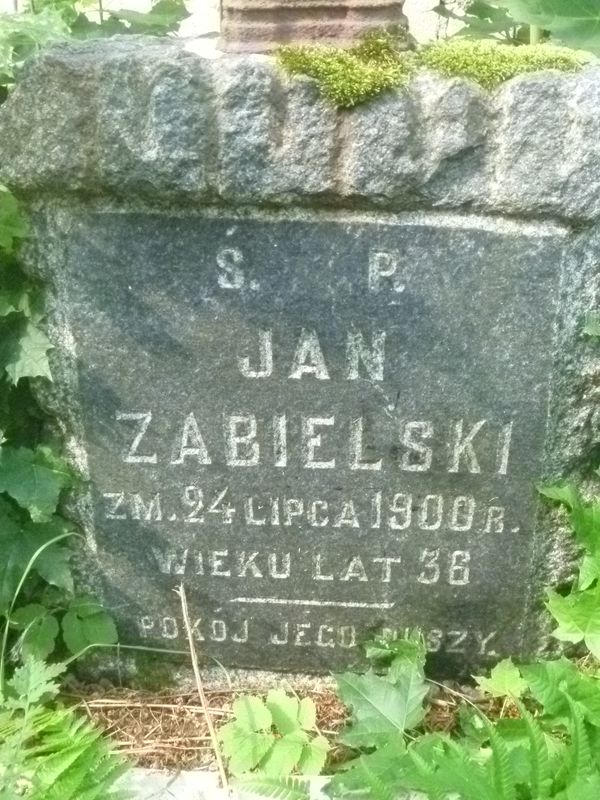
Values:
[(504, 681), (34, 479), (284, 710), (589, 571), (265, 786), (592, 324), (17, 294), (584, 517), (584, 789), (540, 776), (550, 682), (580, 765), (25, 353), (244, 747), (566, 494), (375, 774), (545, 680), (575, 22), (165, 17), (35, 680), (87, 623), (53, 563), (284, 754), (578, 617), (381, 708), (383, 651), (15, 557), (12, 222), (251, 713), (307, 714), (313, 756), (39, 630), (503, 775)]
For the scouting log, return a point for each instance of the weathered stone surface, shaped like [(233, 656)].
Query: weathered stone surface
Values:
[(271, 151), (258, 26), (111, 116), (325, 427), (453, 120), (183, 206), (146, 118)]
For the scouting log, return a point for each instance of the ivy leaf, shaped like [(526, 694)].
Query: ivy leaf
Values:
[(52, 564), (12, 222), (381, 709), (25, 353), (589, 571), (17, 294), (40, 630), (87, 623), (505, 680), (566, 493), (15, 556), (313, 757), (34, 479), (584, 517), (578, 617), (284, 753)]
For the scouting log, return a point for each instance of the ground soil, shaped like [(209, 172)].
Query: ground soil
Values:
[(168, 729)]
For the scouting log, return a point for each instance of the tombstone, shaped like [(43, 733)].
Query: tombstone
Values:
[(314, 375), (258, 26)]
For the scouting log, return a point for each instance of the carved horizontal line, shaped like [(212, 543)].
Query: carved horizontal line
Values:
[(282, 601)]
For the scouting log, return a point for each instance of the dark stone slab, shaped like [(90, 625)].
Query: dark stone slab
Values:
[(324, 427)]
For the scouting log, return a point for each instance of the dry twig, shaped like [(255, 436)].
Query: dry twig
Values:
[(180, 591)]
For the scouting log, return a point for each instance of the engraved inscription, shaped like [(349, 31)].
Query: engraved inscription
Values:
[(325, 429)]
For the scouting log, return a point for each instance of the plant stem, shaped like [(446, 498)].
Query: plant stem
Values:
[(180, 591), (24, 576)]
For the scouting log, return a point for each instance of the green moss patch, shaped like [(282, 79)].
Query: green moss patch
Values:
[(349, 77), (490, 64)]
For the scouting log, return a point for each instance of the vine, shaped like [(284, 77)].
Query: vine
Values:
[(50, 618)]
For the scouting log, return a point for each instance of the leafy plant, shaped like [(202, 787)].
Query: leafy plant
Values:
[(483, 20), (504, 681), (33, 536), (50, 753), (47, 21), (21, 36), (578, 613), (575, 23), (275, 737)]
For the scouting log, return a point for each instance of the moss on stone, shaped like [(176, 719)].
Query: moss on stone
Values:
[(374, 65), (349, 77), (490, 64)]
